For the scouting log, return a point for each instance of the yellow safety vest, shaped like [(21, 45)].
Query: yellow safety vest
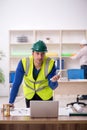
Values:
[(39, 86)]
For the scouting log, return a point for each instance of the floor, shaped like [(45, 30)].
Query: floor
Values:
[(20, 101)]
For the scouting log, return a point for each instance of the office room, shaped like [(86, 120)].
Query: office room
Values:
[(61, 27)]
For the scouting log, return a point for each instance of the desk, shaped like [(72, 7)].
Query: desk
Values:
[(28, 123)]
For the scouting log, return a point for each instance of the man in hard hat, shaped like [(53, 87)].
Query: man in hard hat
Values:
[(82, 56), (36, 71)]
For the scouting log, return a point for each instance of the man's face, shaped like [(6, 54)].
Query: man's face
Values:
[(38, 57)]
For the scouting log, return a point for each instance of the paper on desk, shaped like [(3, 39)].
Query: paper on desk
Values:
[(20, 112), (26, 111), (64, 111)]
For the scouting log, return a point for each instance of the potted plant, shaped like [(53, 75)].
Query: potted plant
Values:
[(2, 77)]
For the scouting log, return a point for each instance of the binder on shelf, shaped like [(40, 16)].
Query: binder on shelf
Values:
[(53, 54), (66, 54), (58, 64)]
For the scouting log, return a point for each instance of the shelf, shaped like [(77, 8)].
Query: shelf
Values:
[(71, 43), (20, 44), (73, 81), (73, 36), (48, 36), (61, 45), (78, 80)]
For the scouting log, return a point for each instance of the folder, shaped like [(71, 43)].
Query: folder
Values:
[(77, 114)]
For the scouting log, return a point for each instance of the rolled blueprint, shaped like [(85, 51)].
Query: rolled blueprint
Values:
[(78, 108)]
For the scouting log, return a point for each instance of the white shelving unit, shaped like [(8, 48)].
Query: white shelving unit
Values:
[(70, 40), (20, 45), (61, 45)]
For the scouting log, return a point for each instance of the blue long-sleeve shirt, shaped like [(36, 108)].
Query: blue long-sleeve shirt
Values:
[(19, 74)]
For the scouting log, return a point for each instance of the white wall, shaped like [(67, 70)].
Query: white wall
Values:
[(43, 13), (37, 14)]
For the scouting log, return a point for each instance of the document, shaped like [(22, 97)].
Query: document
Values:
[(20, 112), (63, 111)]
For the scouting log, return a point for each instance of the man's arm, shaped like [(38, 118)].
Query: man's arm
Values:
[(17, 82), (78, 54), (54, 84)]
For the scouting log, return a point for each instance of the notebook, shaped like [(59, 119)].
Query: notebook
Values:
[(44, 108)]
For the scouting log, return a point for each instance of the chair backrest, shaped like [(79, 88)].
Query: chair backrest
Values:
[(75, 73)]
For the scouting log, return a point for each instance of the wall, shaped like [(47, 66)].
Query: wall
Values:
[(37, 14)]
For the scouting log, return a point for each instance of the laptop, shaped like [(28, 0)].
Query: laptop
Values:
[(44, 109)]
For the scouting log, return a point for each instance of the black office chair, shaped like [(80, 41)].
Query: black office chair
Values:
[(83, 97), (77, 102)]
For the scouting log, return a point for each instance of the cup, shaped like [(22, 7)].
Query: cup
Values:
[(6, 110)]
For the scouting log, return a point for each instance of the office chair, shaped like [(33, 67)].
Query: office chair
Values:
[(83, 97), (77, 102)]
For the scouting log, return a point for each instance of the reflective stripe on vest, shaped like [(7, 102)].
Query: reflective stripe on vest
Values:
[(34, 89), (27, 65)]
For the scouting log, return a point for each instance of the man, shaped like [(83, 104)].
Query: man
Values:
[(82, 56), (36, 71)]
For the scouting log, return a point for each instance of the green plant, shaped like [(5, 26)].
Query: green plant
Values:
[(2, 77)]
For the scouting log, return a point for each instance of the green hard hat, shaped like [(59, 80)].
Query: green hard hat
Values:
[(39, 46)]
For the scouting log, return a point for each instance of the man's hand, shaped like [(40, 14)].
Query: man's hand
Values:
[(11, 105), (55, 78)]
